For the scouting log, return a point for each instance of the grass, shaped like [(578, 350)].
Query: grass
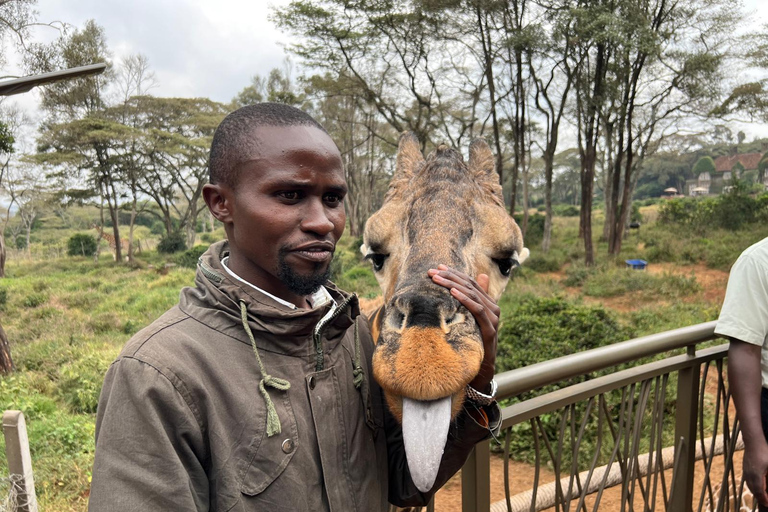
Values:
[(67, 320)]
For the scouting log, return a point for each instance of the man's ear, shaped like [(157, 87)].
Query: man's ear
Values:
[(218, 199)]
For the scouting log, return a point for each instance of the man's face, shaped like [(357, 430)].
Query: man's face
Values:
[(286, 212)]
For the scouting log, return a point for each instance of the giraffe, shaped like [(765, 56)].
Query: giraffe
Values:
[(428, 348), (111, 241)]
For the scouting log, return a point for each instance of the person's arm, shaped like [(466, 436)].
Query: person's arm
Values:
[(473, 424), (148, 445), (744, 380)]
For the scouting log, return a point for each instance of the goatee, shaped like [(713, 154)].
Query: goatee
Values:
[(298, 283)]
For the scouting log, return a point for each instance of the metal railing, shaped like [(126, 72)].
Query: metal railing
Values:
[(643, 431)]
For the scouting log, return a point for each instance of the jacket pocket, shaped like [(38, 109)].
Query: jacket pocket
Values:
[(269, 456)]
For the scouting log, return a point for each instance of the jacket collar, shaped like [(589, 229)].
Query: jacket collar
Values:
[(215, 301)]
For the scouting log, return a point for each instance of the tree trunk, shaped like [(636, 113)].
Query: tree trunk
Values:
[(191, 225), (115, 223), (130, 229), (2, 255), (488, 57), (6, 362), (546, 241)]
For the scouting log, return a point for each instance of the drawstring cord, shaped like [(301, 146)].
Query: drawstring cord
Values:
[(273, 420), (357, 372)]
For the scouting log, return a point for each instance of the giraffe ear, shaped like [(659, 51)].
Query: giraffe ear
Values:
[(482, 165), (409, 161), (409, 157)]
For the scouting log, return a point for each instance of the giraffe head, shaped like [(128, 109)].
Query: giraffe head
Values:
[(437, 210)]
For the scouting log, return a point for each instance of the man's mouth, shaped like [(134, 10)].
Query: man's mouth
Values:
[(317, 252)]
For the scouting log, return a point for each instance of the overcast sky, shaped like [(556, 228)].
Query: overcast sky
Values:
[(198, 48)]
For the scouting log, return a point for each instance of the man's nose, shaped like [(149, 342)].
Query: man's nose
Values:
[(317, 219)]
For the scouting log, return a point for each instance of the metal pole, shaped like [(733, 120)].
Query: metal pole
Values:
[(686, 413), (476, 480), (19, 461)]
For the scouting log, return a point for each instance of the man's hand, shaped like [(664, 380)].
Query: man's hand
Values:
[(473, 295), (756, 470)]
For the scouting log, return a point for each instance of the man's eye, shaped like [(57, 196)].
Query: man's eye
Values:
[(333, 199), (290, 195)]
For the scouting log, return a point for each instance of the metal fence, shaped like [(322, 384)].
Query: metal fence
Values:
[(655, 433)]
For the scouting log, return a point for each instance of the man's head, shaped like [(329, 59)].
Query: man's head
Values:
[(277, 185)]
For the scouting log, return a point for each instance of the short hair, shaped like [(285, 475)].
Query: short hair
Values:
[(233, 140)]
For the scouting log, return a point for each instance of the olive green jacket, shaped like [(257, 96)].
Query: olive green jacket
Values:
[(181, 423)]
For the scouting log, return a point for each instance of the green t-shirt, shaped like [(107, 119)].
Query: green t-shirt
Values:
[(744, 314)]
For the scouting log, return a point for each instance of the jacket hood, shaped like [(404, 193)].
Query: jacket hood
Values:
[(216, 299)]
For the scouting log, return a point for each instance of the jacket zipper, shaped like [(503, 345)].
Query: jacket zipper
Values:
[(320, 327)]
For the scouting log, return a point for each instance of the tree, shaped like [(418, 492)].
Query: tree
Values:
[(6, 149), (174, 138), (277, 87), (361, 137), (704, 164), (77, 136)]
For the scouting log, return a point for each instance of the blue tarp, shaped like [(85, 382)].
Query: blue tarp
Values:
[(636, 264)]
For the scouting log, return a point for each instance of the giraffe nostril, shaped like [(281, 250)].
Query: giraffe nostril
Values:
[(396, 320)]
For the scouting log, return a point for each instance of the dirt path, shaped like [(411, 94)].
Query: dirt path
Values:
[(711, 281)]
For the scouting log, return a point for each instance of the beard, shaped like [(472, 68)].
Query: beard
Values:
[(302, 284)]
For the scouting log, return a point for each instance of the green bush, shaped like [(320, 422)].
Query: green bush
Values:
[(171, 243), (577, 274), (534, 329), (189, 257), (535, 231), (81, 381), (3, 298), (565, 210), (544, 262), (732, 210), (81, 244)]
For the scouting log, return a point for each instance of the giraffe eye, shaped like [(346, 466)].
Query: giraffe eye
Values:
[(506, 265), (377, 260)]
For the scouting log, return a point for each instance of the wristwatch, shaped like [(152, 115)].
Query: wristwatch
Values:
[(481, 398)]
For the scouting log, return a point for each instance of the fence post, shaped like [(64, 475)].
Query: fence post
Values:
[(19, 461), (476, 480), (686, 416)]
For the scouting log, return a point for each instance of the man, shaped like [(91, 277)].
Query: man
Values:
[(744, 320), (218, 405)]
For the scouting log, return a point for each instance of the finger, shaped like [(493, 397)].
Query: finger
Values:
[(484, 281), (451, 278), (477, 309)]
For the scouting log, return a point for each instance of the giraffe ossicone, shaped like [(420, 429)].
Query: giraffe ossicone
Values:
[(438, 210)]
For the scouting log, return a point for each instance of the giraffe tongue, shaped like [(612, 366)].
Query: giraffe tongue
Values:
[(425, 431)]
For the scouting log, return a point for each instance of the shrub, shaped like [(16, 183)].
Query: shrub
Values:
[(544, 262), (576, 275), (81, 382), (81, 244), (171, 243), (535, 329), (535, 231), (157, 228), (3, 298), (189, 257), (565, 210)]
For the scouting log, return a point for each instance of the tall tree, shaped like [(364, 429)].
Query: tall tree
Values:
[(175, 137), (76, 124), (553, 71), (668, 57)]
